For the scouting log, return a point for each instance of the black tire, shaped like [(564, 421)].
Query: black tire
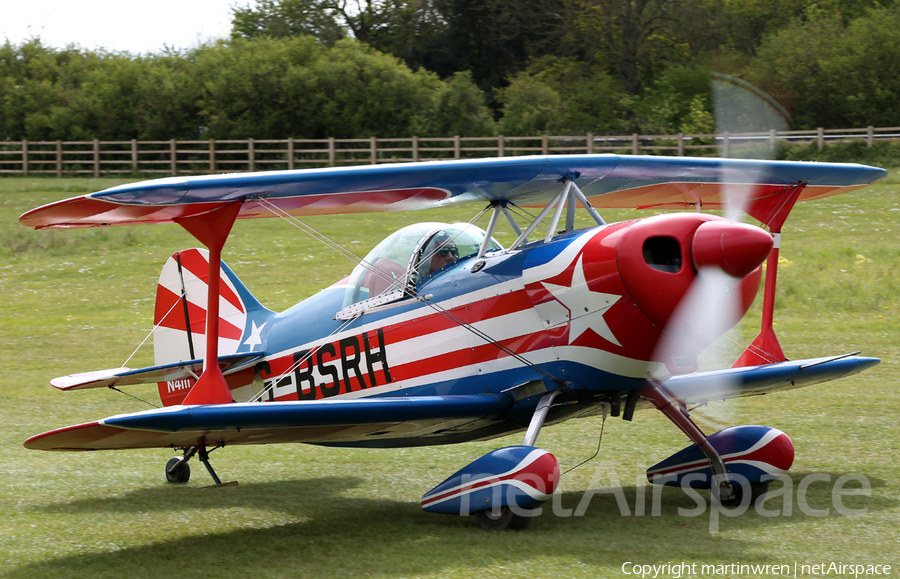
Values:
[(506, 519), (179, 474), (757, 491)]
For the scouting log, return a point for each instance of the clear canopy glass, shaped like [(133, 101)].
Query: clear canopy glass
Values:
[(409, 255)]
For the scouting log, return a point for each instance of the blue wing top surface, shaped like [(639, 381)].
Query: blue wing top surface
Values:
[(608, 180)]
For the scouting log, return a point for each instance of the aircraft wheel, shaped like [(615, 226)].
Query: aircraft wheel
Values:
[(489, 520), (180, 474), (757, 491)]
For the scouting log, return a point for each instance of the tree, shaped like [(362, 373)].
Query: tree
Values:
[(296, 87), (632, 36), (673, 101), (860, 73), (287, 18), (789, 61), (458, 108), (530, 107)]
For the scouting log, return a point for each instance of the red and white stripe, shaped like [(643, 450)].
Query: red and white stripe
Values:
[(770, 460), (425, 346), (169, 335), (537, 475)]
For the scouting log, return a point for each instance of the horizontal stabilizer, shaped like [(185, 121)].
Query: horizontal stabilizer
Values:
[(165, 373), (359, 419)]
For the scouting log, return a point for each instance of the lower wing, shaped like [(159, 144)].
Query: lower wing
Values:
[(326, 421), (427, 419), (702, 387)]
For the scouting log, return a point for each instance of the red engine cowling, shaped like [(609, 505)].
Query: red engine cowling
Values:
[(660, 258)]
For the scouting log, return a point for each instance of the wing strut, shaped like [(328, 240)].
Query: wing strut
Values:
[(568, 196), (211, 229), (771, 211)]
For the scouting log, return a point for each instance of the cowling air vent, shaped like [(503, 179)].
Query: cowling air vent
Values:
[(663, 254)]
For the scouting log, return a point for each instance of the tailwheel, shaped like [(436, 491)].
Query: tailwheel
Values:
[(501, 520), (757, 491), (178, 470)]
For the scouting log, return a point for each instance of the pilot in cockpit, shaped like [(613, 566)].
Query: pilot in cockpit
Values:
[(442, 251), (410, 255)]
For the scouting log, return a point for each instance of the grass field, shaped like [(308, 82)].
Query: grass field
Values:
[(82, 300)]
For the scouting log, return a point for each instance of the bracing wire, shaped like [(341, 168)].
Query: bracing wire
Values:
[(141, 345), (297, 364), (345, 252), (133, 396), (312, 232), (739, 341), (599, 442), (500, 345)]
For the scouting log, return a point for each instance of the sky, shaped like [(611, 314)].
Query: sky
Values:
[(136, 26)]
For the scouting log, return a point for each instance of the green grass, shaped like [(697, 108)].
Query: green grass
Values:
[(82, 300)]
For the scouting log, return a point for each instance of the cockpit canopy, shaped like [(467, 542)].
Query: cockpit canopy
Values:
[(409, 255)]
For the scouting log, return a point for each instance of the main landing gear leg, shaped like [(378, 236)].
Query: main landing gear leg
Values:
[(721, 487), (179, 471), (503, 518), (538, 418)]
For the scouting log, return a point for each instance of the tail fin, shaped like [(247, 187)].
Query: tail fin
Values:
[(180, 317)]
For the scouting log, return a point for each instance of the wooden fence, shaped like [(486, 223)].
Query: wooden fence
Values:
[(176, 157)]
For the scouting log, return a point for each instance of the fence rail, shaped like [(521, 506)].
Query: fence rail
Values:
[(176, 157)]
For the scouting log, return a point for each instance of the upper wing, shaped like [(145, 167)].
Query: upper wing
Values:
[(703, 387), (610, 181), (369, 419)]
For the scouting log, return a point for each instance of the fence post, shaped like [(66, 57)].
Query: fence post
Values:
[(24, 158), (680, 141), (58, 158), (212, 156), (456, 148), (726, 144), (415, 149), (134, 156), (501, 146), (291, 153), (96, 157), (590, 143), (173, 159), (251, 155), (772, 133), (870, 136), (545, 144), (635, 144), (820, 138), (331, 152), (373, 150)]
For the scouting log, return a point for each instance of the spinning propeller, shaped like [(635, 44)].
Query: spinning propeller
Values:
[(725, 257)]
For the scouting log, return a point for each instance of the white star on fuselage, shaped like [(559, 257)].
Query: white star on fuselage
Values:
[(586, 307), (255, 338)]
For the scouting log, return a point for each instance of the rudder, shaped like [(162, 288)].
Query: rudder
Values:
[(179, 317)]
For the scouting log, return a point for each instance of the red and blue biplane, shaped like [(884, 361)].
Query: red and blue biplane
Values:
[(440, 335)]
